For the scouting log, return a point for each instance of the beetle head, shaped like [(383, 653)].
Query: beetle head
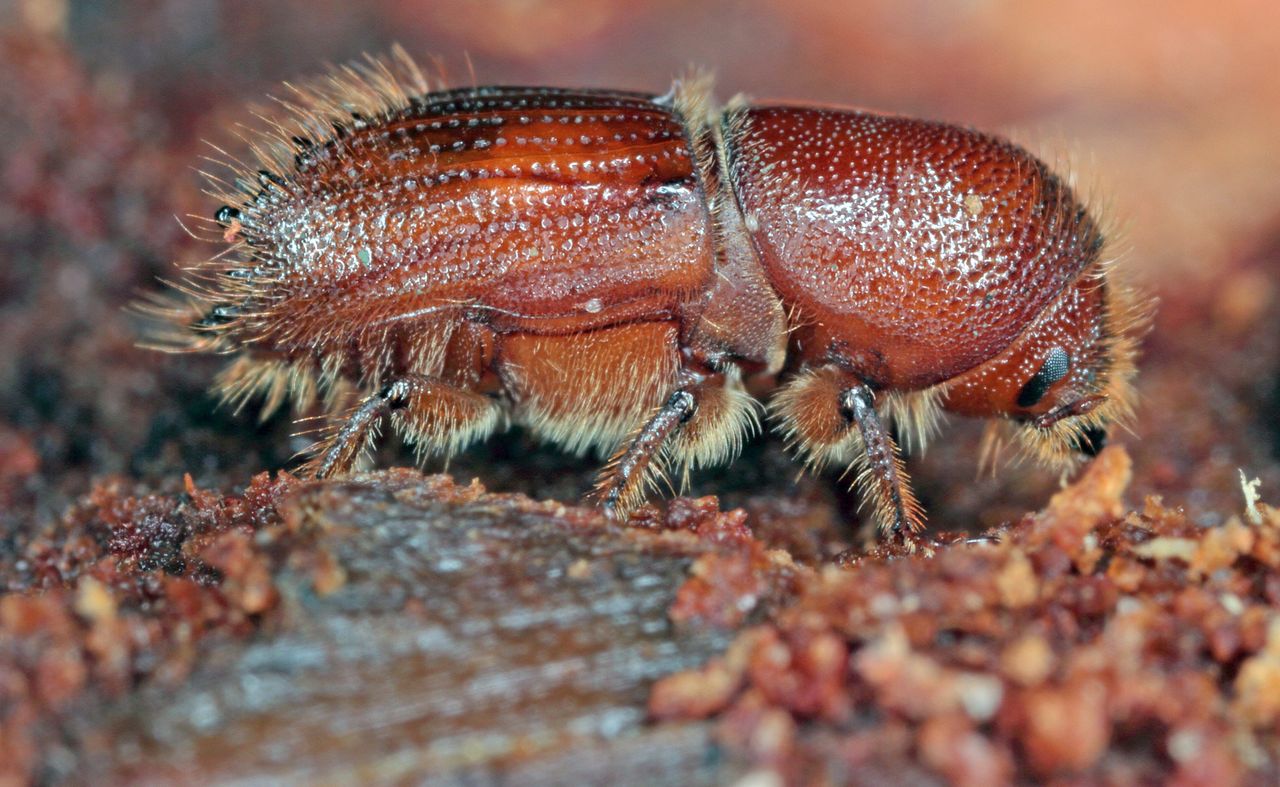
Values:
[(1067, 379)]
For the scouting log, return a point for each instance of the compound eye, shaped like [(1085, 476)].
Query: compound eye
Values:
[(1054, 368)]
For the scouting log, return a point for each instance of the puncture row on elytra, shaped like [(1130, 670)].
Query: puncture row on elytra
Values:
[(610, 268)]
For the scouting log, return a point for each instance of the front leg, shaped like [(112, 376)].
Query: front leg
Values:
[(829, 417), (882, 472)]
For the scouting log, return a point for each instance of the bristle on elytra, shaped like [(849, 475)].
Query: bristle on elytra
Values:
[(222, 304), (314, 113), (317, 111)]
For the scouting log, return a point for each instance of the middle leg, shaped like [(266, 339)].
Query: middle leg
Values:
[(703, 423), (628, 388)]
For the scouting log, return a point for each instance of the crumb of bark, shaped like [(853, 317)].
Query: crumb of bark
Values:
[(123, 590), (129, 589), (1085, 629)]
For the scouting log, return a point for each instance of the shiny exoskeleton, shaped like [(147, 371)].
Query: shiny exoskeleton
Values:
[(608, 268)]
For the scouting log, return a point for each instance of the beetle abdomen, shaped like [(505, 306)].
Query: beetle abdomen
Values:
[(526, 209), (925, 248)]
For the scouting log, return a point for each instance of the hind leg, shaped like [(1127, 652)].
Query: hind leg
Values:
[(436, 417)]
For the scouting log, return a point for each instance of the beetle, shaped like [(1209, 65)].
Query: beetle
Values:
[(609, 268)]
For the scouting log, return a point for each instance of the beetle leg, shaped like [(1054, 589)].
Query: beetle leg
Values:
[(621, 483), (726, 417), (882, 474), (817, 411), (434, 416), (343, 448)]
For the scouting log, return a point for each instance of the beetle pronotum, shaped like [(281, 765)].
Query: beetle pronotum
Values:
[(607, 268)]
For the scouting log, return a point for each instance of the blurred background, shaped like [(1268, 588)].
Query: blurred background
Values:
[(1167, 112)]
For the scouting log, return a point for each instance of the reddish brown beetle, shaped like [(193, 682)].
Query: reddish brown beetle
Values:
[(607, 268)]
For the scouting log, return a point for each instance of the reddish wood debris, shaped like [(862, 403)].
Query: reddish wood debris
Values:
[(1084, 630)]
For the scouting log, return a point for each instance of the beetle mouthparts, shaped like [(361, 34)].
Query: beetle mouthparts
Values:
[(1080, 406)]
